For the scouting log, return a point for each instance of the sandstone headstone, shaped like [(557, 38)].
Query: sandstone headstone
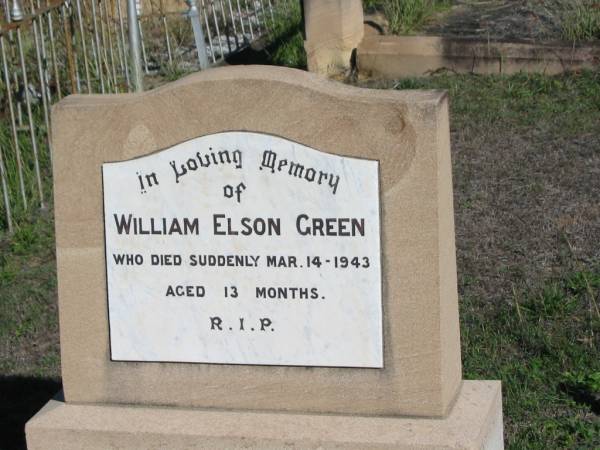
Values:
[(334, 29), (258, 239)]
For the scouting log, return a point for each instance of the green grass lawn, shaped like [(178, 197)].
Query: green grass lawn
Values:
[(526, 167)]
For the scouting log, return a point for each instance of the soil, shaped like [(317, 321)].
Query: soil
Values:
[(500, 20), (525, 196), (526, 208)]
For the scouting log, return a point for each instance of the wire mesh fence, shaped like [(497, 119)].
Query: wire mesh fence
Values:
[(53, 48)]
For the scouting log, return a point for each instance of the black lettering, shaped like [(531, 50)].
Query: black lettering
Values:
[(299, 219), (128, 259), (268, 160), (192, 164), (264, 323), (224, 156), (119, 259), (282, 164), (259, 226), (317, 225), (213, 156), (178, 174), (151, 179), (215, 323), (296, 170), (358, 225), (274, 227), (247, 231), (334, 184), (321, 176), (190, 227), (123, 225), (237, 159), (217, 225), (342, 226), (330, 224), (206, 162), (175, 227)]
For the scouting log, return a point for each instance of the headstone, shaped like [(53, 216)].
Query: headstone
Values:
[(257, 257), (333, 29)]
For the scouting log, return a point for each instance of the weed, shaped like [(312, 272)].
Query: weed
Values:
[(23, 201), (563, 104), (286, 43), (407, 16), (171, 72), (585, 380), (581, 20), (571, 20), (535, 351), (369, 5), (28, 319)]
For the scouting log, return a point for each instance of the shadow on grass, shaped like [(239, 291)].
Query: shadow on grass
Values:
[(282, 45), (20, 399), (582, 395), (287, 49)]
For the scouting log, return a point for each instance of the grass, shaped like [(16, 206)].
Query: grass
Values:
[(22, 206), (579, 20), (286, 42), (28, 310), (564, 104), (407, 16), (526, 158), (543, 344), (526, 154), (281, 45)]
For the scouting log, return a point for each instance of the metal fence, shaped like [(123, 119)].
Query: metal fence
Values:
[(53, 48)]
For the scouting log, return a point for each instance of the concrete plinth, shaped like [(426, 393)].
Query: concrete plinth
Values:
[(475, 422), (394, 57)]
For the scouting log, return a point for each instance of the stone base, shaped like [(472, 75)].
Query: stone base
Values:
[(474, 423), (328, 61), (393, 57)]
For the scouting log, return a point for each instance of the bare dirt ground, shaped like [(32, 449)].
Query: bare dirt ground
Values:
[(527, 207), (503, 20), (526, 168)]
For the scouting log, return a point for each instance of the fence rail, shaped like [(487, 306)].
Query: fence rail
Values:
[(53, 48)]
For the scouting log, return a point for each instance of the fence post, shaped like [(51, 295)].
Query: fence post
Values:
[(16, 12), (134, 47), (69, 50), (198, 34), (5, 195)]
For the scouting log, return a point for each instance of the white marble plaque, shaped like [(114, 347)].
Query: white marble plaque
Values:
[(244, 248)]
